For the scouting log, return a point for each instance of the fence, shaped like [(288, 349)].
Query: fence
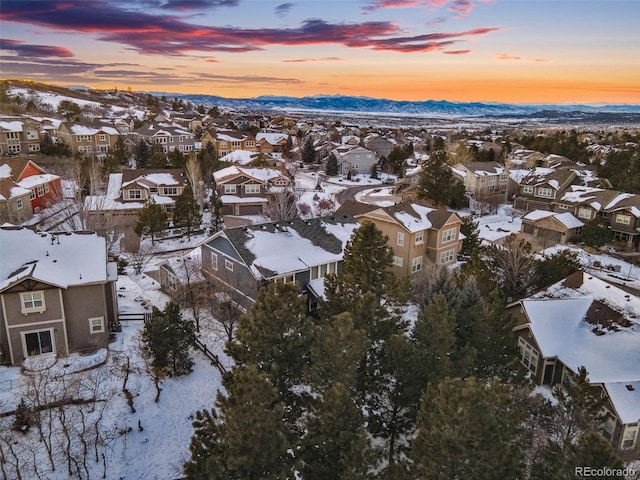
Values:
[(215, 361)]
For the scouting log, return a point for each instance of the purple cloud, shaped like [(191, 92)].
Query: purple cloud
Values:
[(36, 51)]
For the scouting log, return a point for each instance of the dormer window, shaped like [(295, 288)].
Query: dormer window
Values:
[(527, 189), (135, 194), (623, 219)]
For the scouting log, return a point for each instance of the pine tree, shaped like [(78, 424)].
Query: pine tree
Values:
[(438, 184), (176, 159), (596, 233), (142, 154), (152, 220), (555, 267), (187, 214), (335, 445), (470, 229), (308, 151), (255, 436), (206, 448), (332, 165), (217, 219), (469, 429), (116, 157), (513, 265), (157, 157), (276, 334), (169, 338)]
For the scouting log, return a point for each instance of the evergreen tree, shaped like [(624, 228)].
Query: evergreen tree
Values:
[(142, 154), (169, 337), (157, 157), (596, 233), (335, 445), (208, 158), (469, 429), (471, 231), (332, 164), (556, 267), (513, 265), (152, 220), (308, 151), (438, 184), (275, 334), (247, 440), (217, 219), (187, 214), (116, 157), (176, 159)]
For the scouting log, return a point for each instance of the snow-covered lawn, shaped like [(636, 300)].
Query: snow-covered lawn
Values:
[(496, 226), (160, 447)]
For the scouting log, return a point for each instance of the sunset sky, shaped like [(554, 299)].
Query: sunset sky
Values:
[(525, 51)]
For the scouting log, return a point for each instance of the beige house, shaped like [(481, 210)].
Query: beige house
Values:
[(417, 234), (57, 294), (482, 178), (552, 227)]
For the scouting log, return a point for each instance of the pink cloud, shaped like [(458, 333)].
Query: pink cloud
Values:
[(456, 52), (507, 56)]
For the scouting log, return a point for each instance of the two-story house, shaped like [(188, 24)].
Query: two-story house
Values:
[(15, 203), (583, 321), (417, 234), (57, 293), (379, 144), (245, 191), (242, 259), (271, 142), (170, 136), (541, 186), (91, 142), (355, 159), (19, 137), (227, 141), (45, 188), (482, 178)]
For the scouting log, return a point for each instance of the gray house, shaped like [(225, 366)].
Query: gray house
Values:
[(240, 260), (57, 293), (356, 160)]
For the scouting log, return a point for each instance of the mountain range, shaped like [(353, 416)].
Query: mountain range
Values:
[(339, 103)]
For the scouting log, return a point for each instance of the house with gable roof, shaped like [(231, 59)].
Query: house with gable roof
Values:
[(541, 186), (15, 203), (245, 191), (482, 178), (416, 233), (89, 141), (583, 321), (355, 159), (19, 136), (226, 141), (271, 142), (170, 136), (45, 188), (552, 227), (241, 260), (57, 293)]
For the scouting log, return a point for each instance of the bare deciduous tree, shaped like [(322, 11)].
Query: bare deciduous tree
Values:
[(282, 206)]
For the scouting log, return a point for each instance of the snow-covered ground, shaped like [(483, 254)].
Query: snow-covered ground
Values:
[(159, 450)]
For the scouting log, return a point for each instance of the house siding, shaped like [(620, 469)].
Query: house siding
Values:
[(82, 303)]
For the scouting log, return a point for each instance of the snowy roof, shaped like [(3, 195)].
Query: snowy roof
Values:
[(241, 157), (262, 174), (483, 169), (63, 259), (272, 138), (278, 248), (415, 217), (585, 321), (35, 180), (14, 126), (566, 218)]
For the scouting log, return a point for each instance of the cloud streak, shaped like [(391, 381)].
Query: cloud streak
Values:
[(305, 60), (38, 51), (171, 35)]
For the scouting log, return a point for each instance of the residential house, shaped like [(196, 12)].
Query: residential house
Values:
[(57, 293), (245, 191), (19, 137), (45, 188), (552, 227), (89, 141), (227, 141), (482, 178), (355, 159), (271, 142), (584, 321), (379, 144), (15, 203), (620, 211), (171, 136), (541, 186), (240, 260), (181, 277), (417, 233)]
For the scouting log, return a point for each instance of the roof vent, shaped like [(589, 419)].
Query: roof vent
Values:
[(630, 387)]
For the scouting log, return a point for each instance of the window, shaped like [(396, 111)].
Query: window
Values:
[(448, 235), (545, 192), (46, 188), (83, 138), (214, 261), (527, 189), (38, 343), (181, 138), (419, 238), (40, 190), (229, 189), (584, 213), (624, 219), (252, 189), (250, 143), (135, 194), (528, 355), (398, 261), (12, 135), (32, 194), (32, 302), (160, 140), (446, 257), (608, 425), (223, 144), (228, 264), (19, 203), (400, 239), (416, 264), (170, 190), (562, 206), (96, 325), (171, 139), (629, 435), (102, 138)]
